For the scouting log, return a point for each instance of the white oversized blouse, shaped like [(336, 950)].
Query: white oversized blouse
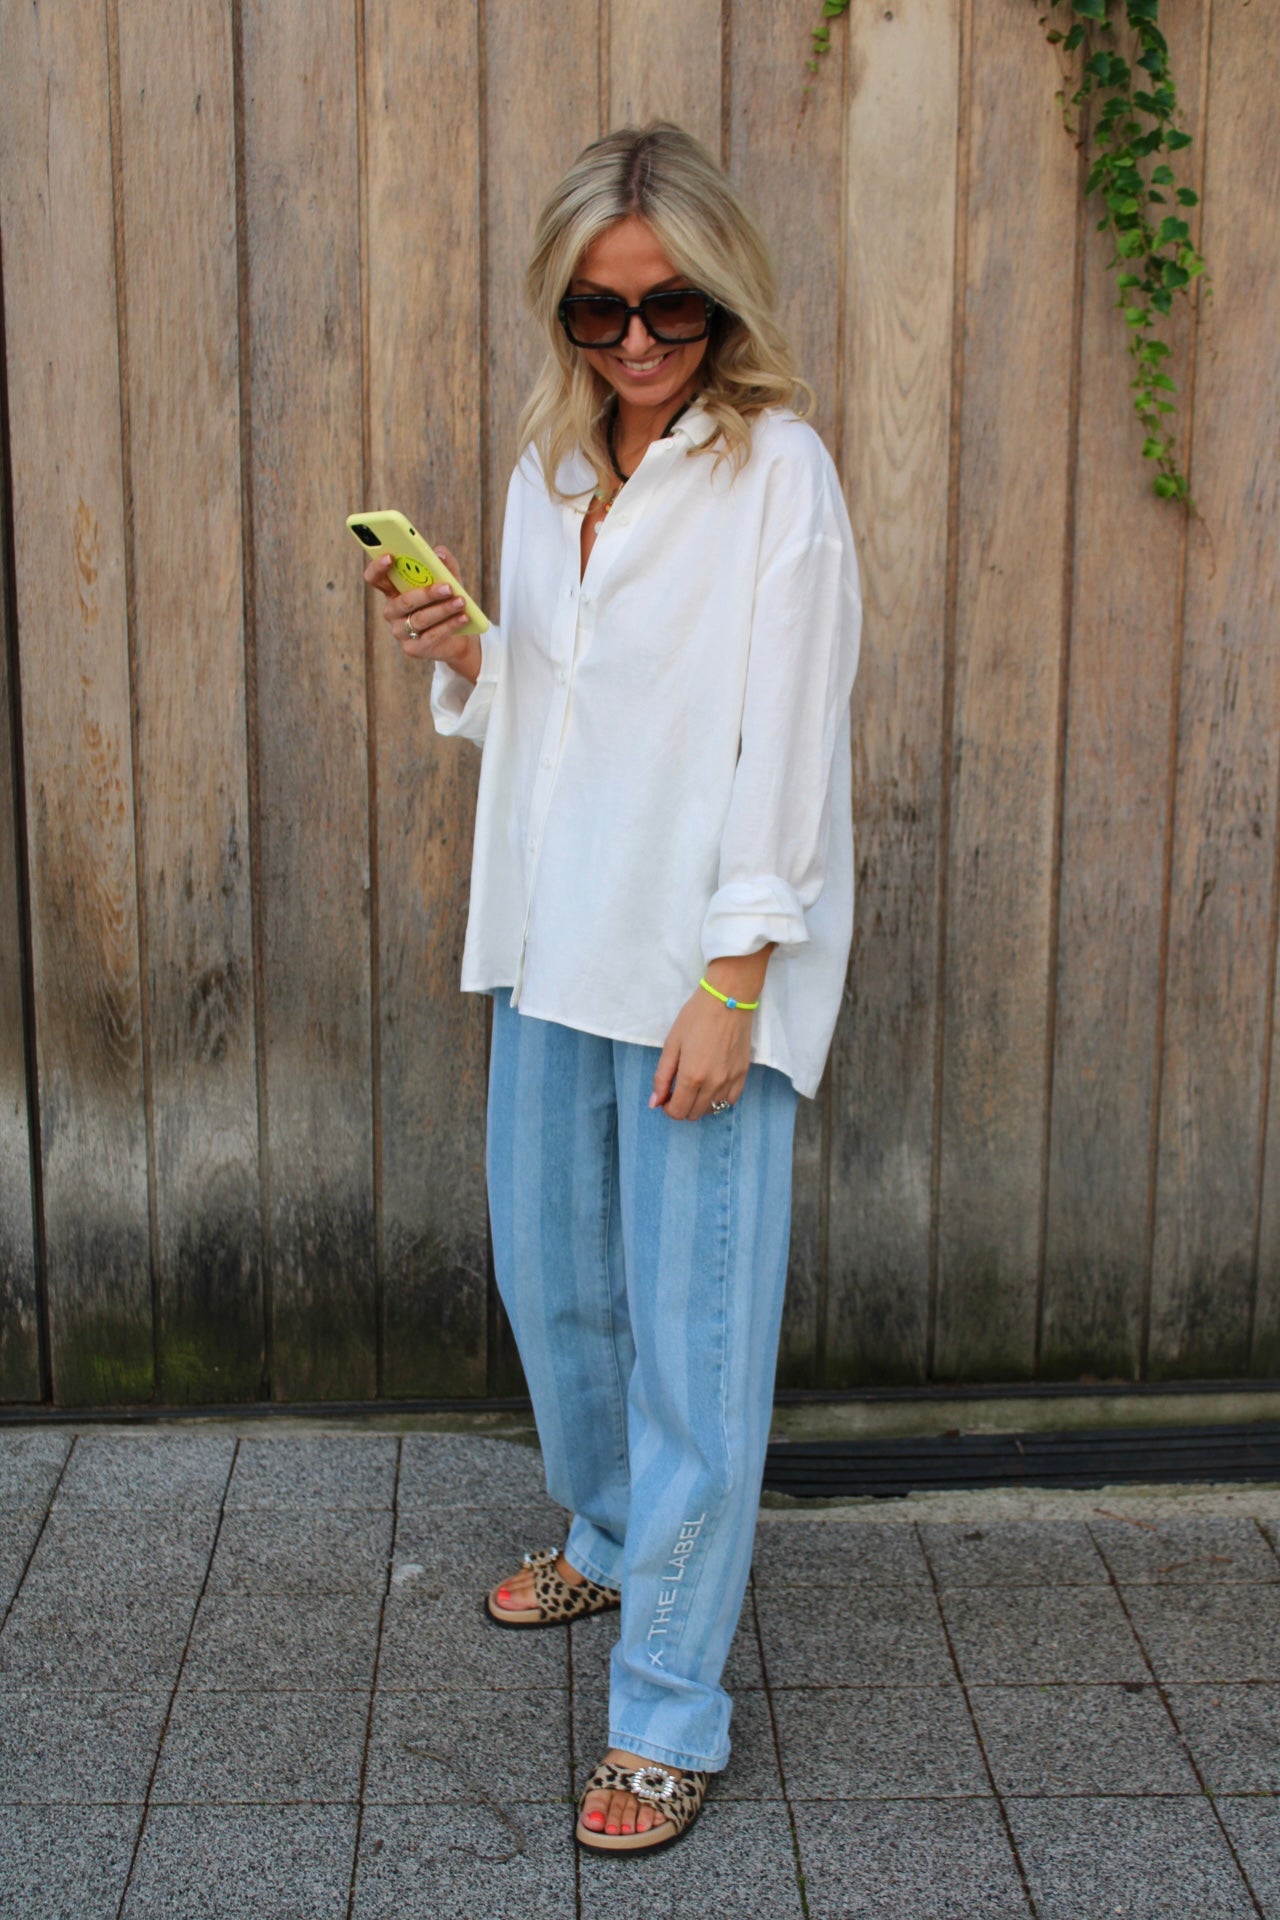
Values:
[(666, 768)]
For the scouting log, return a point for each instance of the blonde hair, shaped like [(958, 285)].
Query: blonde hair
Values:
[(666, 177)]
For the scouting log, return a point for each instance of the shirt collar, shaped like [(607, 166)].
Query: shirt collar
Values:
[(577, 475)]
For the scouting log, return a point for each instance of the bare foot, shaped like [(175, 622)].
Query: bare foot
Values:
[(610, 1812)]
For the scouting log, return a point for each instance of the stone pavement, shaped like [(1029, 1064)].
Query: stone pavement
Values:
[(243, 1672)]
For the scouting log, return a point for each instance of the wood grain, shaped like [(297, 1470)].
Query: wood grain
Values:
[(303, 200), (541, 107), (425, 444), (178, 161), (19, 1334), (64, 407), (900, 160), (783, 158), (665, 64), (1012, 518), (1125, 656), (1222, 913)]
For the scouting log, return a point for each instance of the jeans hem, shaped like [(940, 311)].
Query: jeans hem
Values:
[(669, 1756)]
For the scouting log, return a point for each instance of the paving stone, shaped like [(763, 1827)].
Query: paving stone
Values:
[(304, 1470), (1091, 1740), (1234, 1734), (1231, 1632), (463, 1863), (440, 1470), (594, 1640), (461, 1746), (884, 1637), (262, 1747), (104, 1550), (69, 1746), (19, 1530), (911, 1859), (752, 1772), (29, 1467), (1145, 1859), (295, 1642), (318, 1550), (128, 1641), (877, 1743), (737, 1860), (1193, 1551), (134, 1470), (836, 1553), (243, 1863), (1024, 1553), (1254, 1826), (65, 1863), (437, 1548), (446, 1642), (1028, 1635)]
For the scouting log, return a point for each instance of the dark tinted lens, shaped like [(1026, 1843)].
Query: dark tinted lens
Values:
[(681, 315), (596, 322)]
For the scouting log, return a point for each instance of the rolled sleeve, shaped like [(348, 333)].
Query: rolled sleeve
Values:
[(806, 627), (458, 707)]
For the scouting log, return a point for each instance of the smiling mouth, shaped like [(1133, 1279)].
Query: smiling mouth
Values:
[(644, 366)]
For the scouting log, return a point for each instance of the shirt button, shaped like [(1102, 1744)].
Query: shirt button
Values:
[(561, 676), (547, 761)]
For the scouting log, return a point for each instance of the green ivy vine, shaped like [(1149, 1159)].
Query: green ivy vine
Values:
[(1133, 131)]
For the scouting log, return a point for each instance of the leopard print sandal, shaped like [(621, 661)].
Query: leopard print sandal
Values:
[(556, 1601), (680, 1796)]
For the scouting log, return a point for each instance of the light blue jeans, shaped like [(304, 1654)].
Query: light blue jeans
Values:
[(642, 1262)]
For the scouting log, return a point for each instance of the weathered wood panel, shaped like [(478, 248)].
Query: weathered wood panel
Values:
[(178, 168), (425, 403), (19, 1341), (1011, 535), (304, 245), (900, 158), (1222, 920), (62, 354), (665, 63), (769, 155), (1126, 649)]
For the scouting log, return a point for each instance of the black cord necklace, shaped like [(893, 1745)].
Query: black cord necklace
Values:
[(611, 429)]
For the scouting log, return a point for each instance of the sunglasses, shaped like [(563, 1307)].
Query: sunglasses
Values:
[(602, 319)]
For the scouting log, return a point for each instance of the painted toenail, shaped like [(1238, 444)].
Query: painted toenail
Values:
[(595, 1819), (504, 1598)]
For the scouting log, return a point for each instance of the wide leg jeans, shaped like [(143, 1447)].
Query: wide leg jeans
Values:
[(642, 1262)]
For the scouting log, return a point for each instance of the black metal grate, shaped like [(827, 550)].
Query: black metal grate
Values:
[(881, 1469)]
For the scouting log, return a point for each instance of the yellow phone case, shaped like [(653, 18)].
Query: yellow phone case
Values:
[(416, 564)]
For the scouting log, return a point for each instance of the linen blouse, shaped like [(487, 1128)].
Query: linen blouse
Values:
[(666, 761)]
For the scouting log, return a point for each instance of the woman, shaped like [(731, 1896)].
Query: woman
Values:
[(661, 905)]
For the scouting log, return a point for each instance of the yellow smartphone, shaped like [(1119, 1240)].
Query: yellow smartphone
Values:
[(415, 563)]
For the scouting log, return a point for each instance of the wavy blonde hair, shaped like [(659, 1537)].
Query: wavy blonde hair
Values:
[(666, 177)]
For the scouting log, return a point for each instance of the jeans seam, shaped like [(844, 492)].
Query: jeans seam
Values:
[(620, 1402)]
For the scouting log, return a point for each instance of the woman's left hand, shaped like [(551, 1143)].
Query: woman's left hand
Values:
[(708, 1050), (706, 1058)]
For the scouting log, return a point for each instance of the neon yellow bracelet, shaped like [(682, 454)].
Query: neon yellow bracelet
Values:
[(738, 1006)]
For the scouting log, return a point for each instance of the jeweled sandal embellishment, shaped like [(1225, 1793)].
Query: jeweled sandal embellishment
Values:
[(653, 1783)]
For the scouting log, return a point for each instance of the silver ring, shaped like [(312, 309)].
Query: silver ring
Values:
[(411, 631), (721, 1106)]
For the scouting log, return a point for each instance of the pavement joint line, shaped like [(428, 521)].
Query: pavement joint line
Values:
[(177, 1682), (1267, 1541), (1014, 1848), (26, 1565), (777, 1750), (573, 1771), (1192, 1762), (373, 1682)]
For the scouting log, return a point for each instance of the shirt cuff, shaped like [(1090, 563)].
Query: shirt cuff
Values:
[(746, 915), (458, 707)]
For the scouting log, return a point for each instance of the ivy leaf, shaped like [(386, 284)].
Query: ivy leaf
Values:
[(1175, 139), (1187, 197), (1166, 486), (1162, 176), (1073, 39), (1170, 230), (1153, 449), (1090, 10)]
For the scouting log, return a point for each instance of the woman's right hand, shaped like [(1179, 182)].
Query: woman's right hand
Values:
[(427, 621)]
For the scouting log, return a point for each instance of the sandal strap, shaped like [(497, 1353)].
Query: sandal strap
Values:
[(554, 1596), (677, 1794)]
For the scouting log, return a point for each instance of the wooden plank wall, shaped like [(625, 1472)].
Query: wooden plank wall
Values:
[(265, 263)]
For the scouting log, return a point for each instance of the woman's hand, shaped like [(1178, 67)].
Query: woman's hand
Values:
[(708, 1049), (428, 621)]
